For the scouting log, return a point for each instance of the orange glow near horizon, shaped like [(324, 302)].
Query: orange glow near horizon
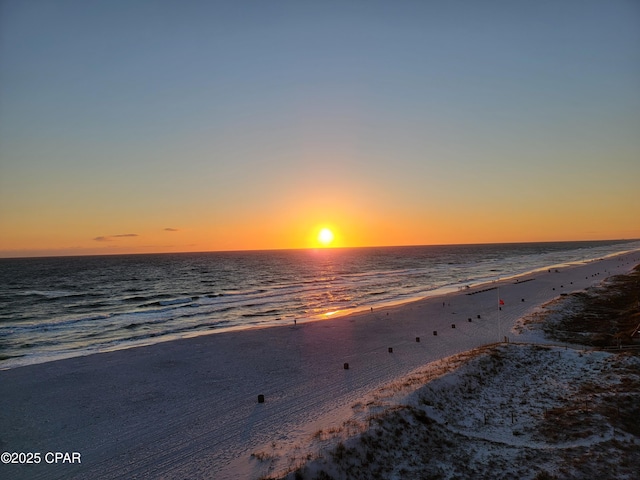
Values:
[(294, 218), (292, 229)]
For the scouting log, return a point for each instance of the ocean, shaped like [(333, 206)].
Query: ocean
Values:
[(59, 307)]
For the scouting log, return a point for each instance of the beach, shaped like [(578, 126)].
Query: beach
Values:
[(189, 408)]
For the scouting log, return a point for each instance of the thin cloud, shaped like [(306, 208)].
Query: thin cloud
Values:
[(108, 238), (170, 229)]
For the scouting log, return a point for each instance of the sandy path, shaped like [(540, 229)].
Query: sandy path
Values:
[(188, 408)]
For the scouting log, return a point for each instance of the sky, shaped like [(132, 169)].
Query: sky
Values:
[(167, 126)]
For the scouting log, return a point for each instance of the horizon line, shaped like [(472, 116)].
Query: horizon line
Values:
[(112, 254)]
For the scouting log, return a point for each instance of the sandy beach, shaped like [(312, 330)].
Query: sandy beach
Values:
[(189, 408)]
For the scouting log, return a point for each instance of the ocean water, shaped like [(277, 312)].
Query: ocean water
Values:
[(65, 306)]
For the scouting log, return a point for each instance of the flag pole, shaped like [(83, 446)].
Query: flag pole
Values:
[(499, 329)]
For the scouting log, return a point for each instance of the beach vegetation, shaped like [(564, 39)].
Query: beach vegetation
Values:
[(602, 316), (571, 419)]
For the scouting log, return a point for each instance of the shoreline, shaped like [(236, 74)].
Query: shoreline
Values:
[(188, 408), (442, 291)]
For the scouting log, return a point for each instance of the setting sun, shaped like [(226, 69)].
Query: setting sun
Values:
[(325, 237)]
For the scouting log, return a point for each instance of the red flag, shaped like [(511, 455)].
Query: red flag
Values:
[(501, 302)]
